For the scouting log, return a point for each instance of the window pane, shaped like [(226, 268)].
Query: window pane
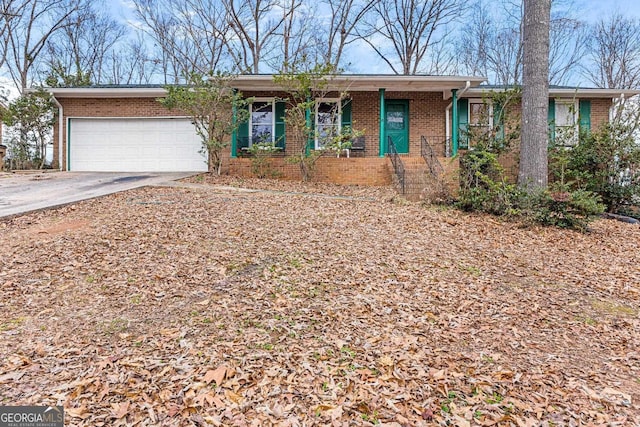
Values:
[(327, 113), (262, 122), (395, 120), (262, 112), (564, 115), (479, 114), (327, 122), (261, 133)]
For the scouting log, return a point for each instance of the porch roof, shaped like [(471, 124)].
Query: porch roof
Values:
[(264, 82), (371, 83)]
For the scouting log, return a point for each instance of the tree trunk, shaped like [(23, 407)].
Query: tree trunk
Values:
[(535, 95)]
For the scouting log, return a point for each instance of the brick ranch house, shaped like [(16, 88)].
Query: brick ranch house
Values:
[(124, 128)]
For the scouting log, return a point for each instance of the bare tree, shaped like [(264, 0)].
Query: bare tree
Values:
[(614, 60), (131, 64), (190, 35), (296, 35), (35, 23), (410, 28), (533, 167), (9, 11), (491, 42), (567, 42), (341, 27), (254, 29), (78, 54)]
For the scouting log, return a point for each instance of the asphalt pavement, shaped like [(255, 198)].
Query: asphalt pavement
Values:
[(27, 192)]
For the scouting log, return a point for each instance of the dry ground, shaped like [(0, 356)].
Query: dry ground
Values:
[(200, 306)]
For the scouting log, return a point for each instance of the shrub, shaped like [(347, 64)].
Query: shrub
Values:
[(483, 188), (261, 159), (564, 209), (605, 162)]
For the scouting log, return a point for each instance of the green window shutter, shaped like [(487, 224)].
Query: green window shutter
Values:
[(551, 119), (346, 113), (463, 124), (585, 115), (280, 125), (243, 132)]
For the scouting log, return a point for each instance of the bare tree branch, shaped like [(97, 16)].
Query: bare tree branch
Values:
[(39, 21), (410, 28)]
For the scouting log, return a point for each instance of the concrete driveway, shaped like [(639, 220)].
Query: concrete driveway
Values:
[(26, 192)]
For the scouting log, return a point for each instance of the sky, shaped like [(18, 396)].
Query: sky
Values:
[(591, 10), (587, 10), (594, 9)]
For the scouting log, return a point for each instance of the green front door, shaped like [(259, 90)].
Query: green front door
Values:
[(397, 124)]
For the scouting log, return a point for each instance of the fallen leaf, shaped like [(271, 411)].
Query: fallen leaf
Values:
[(216, 375)]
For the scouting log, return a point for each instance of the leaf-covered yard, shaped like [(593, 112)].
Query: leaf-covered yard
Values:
[(210, 306)]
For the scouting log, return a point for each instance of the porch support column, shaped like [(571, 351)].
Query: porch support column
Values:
[(454, 119), (234, 134), (382, 124)]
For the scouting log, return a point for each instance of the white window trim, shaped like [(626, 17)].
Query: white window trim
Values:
[(480, 101), (571, 102), (273, 118), (319, 101)]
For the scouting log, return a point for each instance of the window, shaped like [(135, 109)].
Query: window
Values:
[(566, 124), (480, 114), (328, 120), (262, 122)]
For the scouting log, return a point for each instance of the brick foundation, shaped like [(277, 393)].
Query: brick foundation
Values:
[(370, 171)]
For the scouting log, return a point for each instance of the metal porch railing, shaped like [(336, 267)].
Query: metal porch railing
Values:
[(429, 156), (396, 161)]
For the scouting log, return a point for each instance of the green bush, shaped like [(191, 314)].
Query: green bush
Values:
[(261, 154), (563, 209), (605, 162), (483, 188)]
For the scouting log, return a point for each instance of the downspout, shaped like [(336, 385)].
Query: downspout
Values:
[(60, 128), (454, 138), (620, 105)]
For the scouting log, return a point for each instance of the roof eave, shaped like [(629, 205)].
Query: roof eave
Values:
[(564, 92), (265, 83), (92, 92)]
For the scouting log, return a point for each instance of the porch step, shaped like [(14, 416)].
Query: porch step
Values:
[(416, 177), (421, 185)]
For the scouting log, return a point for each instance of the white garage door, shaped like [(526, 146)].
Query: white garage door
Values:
[(135, 145)]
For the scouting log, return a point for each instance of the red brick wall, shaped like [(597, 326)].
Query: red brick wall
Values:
[(371, 171), (426, 112), (599, 112)]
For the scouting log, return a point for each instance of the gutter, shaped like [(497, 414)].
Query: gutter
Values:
[(60, 128), (447, 116)]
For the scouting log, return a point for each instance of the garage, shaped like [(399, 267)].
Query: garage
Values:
[(134, 145)]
